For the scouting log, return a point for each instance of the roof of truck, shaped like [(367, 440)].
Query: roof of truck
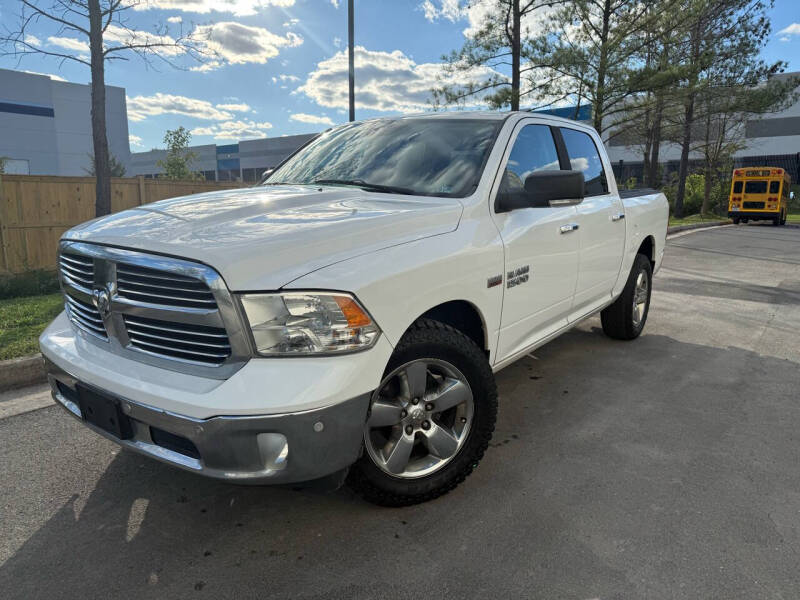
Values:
[(489, 115)]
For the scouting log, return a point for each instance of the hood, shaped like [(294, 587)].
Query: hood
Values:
[(264, 237)]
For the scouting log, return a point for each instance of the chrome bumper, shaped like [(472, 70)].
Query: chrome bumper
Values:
[(268, 449)]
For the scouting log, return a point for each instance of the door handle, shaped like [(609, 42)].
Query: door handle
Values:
[(568, 227), (618, 217)]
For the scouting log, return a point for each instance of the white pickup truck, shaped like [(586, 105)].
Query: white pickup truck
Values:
[(344, 318)]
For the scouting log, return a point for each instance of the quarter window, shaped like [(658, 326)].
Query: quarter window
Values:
[(774, 187), (534, 150), (584, 157), (737, 187)]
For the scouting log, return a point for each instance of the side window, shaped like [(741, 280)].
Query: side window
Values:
[(737, 187), (583, 156), (774, 187), (534, 150)]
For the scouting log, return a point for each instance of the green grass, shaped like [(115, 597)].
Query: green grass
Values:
[(793, 218), (22, 320), (694, 219)]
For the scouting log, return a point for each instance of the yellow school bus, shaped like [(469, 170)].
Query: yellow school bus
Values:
[(759, 194)]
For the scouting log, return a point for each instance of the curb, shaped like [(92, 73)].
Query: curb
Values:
[(679, 228), (21, 372)]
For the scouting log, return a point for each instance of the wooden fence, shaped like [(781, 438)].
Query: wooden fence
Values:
[(35, 210)]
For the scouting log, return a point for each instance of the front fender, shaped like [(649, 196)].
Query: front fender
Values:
[(399, 284)]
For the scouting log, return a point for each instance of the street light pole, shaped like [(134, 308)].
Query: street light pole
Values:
[(351, 61)]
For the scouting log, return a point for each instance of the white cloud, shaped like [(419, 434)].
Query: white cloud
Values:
[(239, 8), (176, 19), (291, 22), (234, 130), (315, 119), (235, 107), (235, 43), (793, 29), (32, 40), (135, 140), (447, 9), (284, 78), (335, 3), (50, 75), (385, 81), (785, 38), (337, 41), (141, 107), (68, 43)]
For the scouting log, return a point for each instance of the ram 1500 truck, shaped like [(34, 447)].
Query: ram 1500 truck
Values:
[(344, 318)]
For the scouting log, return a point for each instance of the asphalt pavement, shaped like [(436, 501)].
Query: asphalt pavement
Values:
[(667, 467)]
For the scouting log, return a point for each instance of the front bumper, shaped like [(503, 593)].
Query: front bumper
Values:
[(262, 449)]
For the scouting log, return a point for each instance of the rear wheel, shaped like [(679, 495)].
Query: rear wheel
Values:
[(783, 218), (735, 220), (776, 221), (625, 319), (430, 419)]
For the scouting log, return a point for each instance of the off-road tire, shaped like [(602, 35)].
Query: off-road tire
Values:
[(617, 319), (428, 338)]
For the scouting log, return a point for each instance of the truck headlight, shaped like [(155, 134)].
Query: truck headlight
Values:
[(302, 323)]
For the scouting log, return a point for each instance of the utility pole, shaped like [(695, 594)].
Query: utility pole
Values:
[(351, 60)]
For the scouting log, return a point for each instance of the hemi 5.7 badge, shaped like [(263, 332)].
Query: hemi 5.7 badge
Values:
[(518, 276)]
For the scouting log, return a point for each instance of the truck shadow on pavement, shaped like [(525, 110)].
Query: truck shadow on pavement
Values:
[(655, 469)]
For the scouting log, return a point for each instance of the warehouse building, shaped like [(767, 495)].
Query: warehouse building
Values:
[(244, 161), (45, 125)]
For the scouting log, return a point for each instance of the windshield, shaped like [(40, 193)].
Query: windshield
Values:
[(427, 157)]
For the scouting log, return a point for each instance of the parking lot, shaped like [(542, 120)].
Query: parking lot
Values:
[(667, 467)]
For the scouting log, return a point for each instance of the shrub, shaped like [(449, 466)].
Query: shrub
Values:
[(31, 283)]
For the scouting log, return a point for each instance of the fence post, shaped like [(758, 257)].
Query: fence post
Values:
[(3, 231), (141, 189)]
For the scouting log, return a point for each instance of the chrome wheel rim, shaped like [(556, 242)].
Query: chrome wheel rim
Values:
[(419, 419), (640, 298)]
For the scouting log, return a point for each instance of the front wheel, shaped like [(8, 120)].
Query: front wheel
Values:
[(625, 318), (430, 419)]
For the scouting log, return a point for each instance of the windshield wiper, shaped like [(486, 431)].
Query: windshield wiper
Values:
[(373, 187)]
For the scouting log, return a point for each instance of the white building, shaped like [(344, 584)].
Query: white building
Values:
[(45, 124)]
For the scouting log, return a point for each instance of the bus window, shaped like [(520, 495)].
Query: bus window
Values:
[(755, 187), (737, 187), (774, 187)]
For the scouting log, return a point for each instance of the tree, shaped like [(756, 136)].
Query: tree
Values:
[(500, 42), (3, 160), (115, 168), (587, 52), (722, 45), (101, 24), (177, 164)]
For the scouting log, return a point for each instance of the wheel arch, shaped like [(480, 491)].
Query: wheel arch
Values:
[(648, 248), (463, 316)]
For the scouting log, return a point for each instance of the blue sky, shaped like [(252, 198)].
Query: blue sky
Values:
[(284, 67)]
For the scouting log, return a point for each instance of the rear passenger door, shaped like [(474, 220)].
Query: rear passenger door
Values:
[(601, 220)]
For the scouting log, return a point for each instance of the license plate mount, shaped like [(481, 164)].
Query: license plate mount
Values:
[(104, 412)]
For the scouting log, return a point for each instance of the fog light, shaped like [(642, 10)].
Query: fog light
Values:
[(274, 450)]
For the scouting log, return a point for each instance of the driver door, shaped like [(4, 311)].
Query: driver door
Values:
[(541, 246)]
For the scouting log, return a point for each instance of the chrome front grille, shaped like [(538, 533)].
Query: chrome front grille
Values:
[(157, 287), (85, 317), (77, 268), (176, 340), (162, 311)]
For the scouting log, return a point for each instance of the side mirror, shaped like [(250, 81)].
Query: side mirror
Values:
[(543, 189)]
